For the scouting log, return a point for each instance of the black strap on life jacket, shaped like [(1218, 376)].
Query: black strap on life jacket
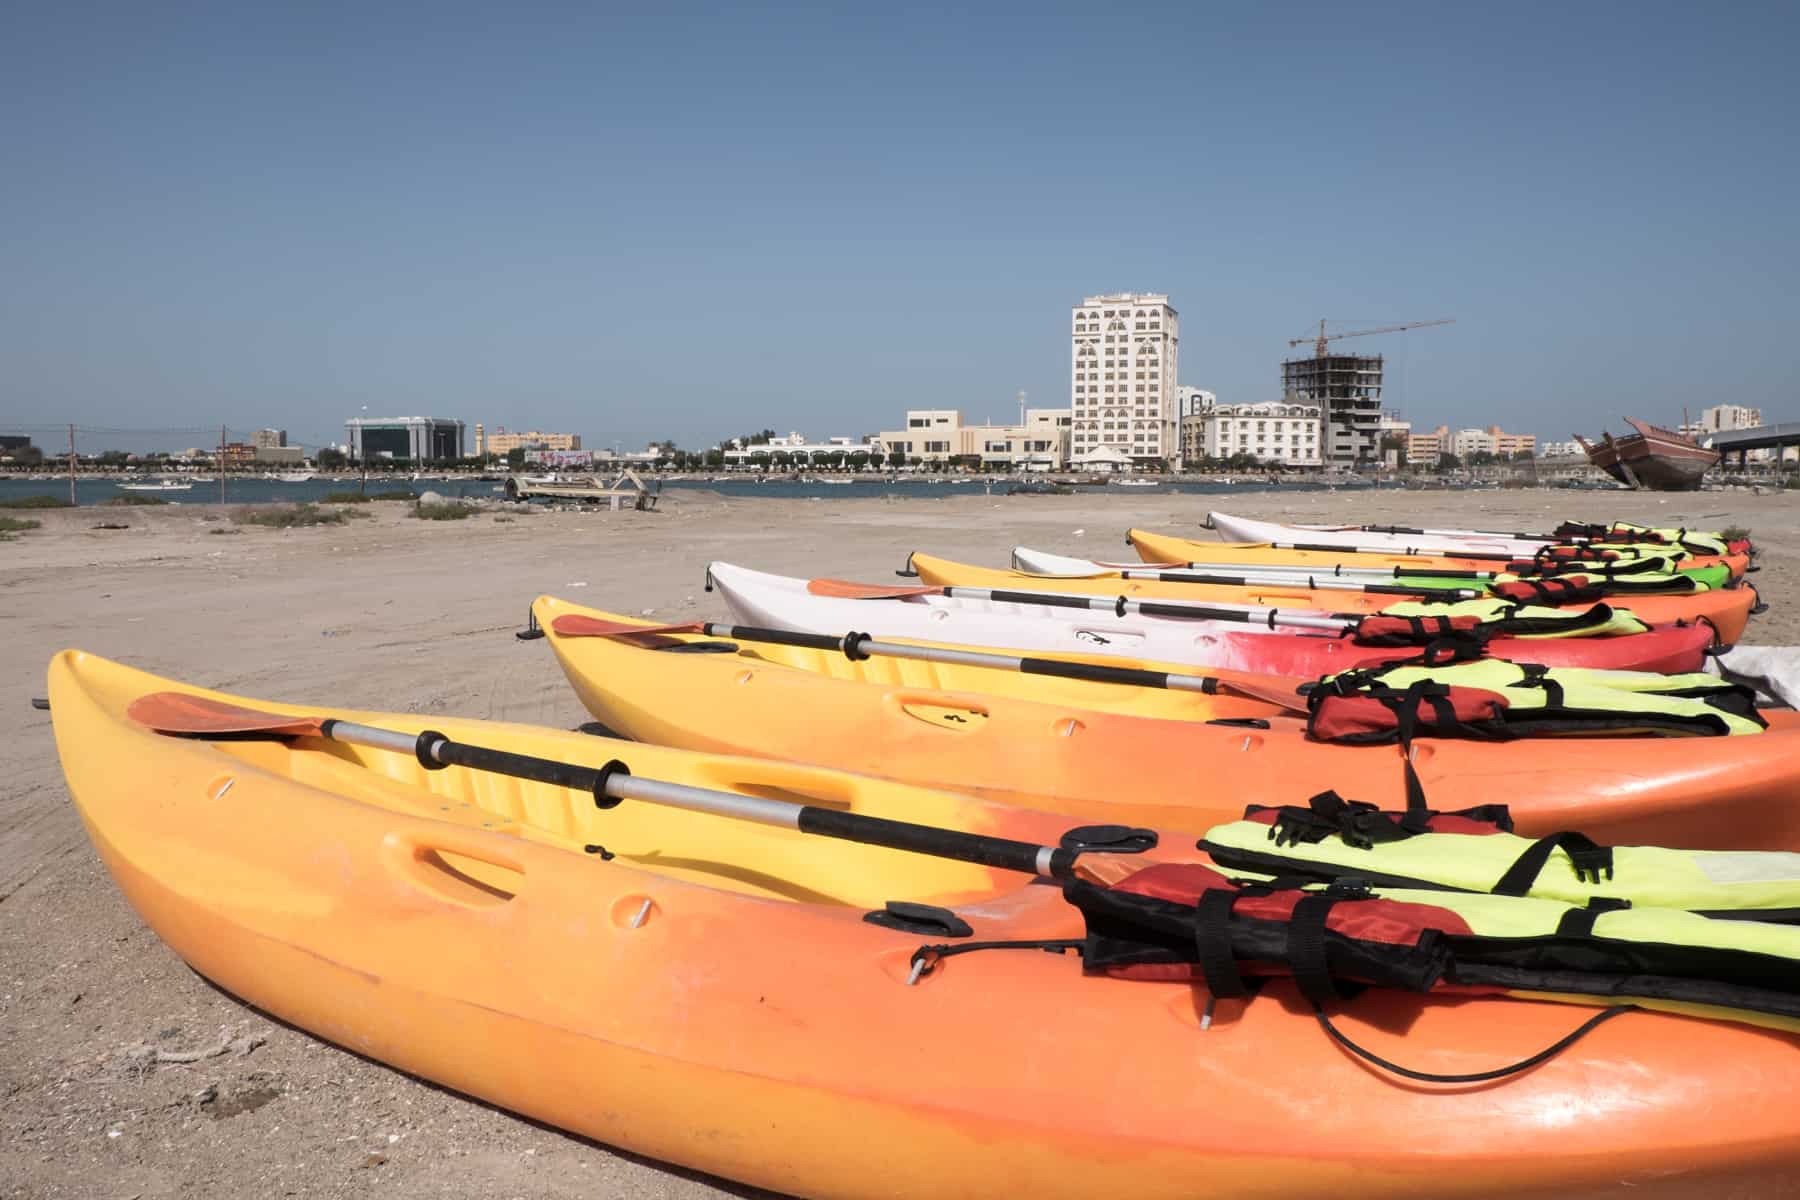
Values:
[(1306, 951), (1579, 922), (1462, 645), (1212, 942), (1591, 860), (1358, 824)]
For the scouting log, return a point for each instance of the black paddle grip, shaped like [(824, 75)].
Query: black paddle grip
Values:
[(444, 752), (1094, 672), (1003, 853), (780, 637)]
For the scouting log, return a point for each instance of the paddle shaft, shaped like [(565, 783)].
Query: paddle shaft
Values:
[(856, 645), (1340, 571), (1312, 583), (1248, 614), (613, 783)]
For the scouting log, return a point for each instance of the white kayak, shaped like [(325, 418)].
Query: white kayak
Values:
[(1448, 542), (1252, 642)]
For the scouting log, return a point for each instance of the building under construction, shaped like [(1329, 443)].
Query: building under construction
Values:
[(1347, 389)]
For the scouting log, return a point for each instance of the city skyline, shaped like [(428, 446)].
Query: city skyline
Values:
[(635, 224)]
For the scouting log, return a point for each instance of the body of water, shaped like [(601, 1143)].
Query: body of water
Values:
[(98, 489)]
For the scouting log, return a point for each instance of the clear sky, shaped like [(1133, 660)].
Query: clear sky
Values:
[(641, 221)]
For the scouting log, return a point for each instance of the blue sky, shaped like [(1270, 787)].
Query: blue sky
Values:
[(674, 220)]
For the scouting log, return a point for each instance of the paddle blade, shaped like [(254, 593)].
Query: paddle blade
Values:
[(576, 625), (182, 712), (1278, 690), (843, 589)]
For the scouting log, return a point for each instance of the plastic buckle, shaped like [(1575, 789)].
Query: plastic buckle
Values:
[(1349, 887), (1589, 863)]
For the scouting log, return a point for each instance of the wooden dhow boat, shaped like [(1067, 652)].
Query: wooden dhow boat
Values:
[(1653, 458)]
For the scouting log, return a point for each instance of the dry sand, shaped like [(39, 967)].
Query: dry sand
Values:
[(399, 614)]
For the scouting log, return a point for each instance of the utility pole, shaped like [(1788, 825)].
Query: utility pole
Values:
[(221, 464), (71, 466)]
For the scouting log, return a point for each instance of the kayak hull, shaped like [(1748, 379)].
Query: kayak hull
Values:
[(1070, 753), (1167, 548), (781, 602), (773, 1040), (1726, 611)]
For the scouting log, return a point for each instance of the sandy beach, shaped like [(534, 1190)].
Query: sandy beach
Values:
[(393, 613)]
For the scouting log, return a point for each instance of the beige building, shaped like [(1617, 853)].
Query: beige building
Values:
[(1424, 449), (1427, 448), (936, 435), (1124, 357), (502, 442), (1280, 431), (268, 439), (1492, 440)]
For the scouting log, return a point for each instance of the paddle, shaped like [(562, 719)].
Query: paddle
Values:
[(1282, 694), (1248, 614), (184, 714), (1627, 567), (1311, 582)]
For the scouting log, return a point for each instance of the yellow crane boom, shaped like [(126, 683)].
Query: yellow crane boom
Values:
[(1319, 343)]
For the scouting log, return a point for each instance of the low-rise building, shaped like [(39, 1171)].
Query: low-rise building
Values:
[(936, 436), (1277, 431), (1492, 440), (1427, 448), (796, 449), (501, 442), (1721, 417), (415, 438), (1569, 449), (280, 455)]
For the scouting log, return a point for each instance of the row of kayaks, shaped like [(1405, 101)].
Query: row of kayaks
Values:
[(935, 888)]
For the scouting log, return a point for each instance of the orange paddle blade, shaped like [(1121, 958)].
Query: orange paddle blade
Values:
[(1278, 690), (576, 625), (843, 589), (182, 712)]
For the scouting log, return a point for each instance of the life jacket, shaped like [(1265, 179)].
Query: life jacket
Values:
[(1419, 622), (1619, 573), (1587, 586), (1475, 850), (1694, 541), (1498, 700), (1193, 923)]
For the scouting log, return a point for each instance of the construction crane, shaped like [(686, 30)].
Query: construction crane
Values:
[(1319, 348)]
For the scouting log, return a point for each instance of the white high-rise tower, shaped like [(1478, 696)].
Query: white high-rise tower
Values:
[(1124, 355)]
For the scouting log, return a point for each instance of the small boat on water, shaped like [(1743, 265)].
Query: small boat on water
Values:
[(296, 477), (159, 485), (1654, 458), (1134, 483)]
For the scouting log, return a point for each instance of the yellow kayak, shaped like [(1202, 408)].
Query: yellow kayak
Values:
[(711, 992)]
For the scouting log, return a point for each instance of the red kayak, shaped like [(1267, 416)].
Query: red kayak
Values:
[(1670, 649)]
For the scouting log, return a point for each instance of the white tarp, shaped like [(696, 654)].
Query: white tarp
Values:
[(1772, 670)]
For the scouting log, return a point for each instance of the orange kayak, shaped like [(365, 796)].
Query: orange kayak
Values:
[(1727, 609), (1167, 548), (713, 997), (1087, 750)]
